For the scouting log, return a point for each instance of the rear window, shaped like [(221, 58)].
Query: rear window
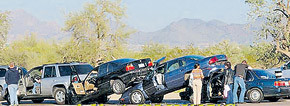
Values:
[(264, 74), (80, 69), (83, 69), (2, 72)]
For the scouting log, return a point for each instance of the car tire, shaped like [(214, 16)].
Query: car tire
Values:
[(137, 97), (255, 95), (118, 86), (38, 101), (274, 99), (59, 96), (156, 99)]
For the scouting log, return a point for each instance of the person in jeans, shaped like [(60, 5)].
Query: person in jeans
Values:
[(12, 77), (229, 80), (239, 81), (196, 83), (37, 82)]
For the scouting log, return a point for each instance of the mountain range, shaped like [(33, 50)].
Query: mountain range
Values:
[(180, 33)]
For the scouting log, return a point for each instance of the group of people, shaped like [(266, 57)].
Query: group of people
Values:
[(12, 77), (233, 79)]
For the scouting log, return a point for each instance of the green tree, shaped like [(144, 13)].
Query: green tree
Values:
[(4, 28), (97, 31), (275, 26), (30, 52)]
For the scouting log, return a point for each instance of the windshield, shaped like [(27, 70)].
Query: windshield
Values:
[(264, 74), (2, 72)]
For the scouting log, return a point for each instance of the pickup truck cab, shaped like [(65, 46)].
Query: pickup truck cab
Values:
[(54, 81)]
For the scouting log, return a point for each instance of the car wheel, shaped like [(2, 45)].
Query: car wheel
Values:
[(38, 101), (118, 86), (274, 99), (255, 95), (156, 99), (137, 97), (59, 96)]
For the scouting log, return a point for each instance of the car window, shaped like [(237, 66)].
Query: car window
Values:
[(103, 69), (182, 63), (83, 69), (35, 72), (173, 66), (49, 72), (65, 70), (111, 67), (249, 76), (2, 72), (264, 74)]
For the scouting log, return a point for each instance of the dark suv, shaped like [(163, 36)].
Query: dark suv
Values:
[(121, 73)]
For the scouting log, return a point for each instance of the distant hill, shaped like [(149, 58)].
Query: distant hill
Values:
[(180, 33), (195, 31), (23, 23)]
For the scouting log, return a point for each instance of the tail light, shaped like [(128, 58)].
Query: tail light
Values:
[(130, 67), (213, 60), (150, 64), (280, 83)]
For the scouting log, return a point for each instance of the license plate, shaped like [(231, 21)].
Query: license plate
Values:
[(141, 65)]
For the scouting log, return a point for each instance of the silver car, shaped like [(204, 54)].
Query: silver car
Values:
[(283, 71), (54, 81)]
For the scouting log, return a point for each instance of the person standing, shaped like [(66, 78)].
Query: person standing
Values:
[(229, 80), (11, 78), (196, 83), (239, 81)]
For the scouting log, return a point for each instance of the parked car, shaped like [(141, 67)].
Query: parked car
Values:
[(283, 71), (115, 76), (54, 81), (168, 77), (106, 79), (3, 84), (260, 85)]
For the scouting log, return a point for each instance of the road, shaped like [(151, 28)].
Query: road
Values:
[(172, 98)]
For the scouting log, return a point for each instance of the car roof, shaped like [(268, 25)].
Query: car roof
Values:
[(122, 61)]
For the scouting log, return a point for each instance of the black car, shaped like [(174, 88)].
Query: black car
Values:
[(106, 79), (168, 77), (260, 85), (119, 74)]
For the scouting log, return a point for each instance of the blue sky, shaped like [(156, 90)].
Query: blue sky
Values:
[(144, 15)]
